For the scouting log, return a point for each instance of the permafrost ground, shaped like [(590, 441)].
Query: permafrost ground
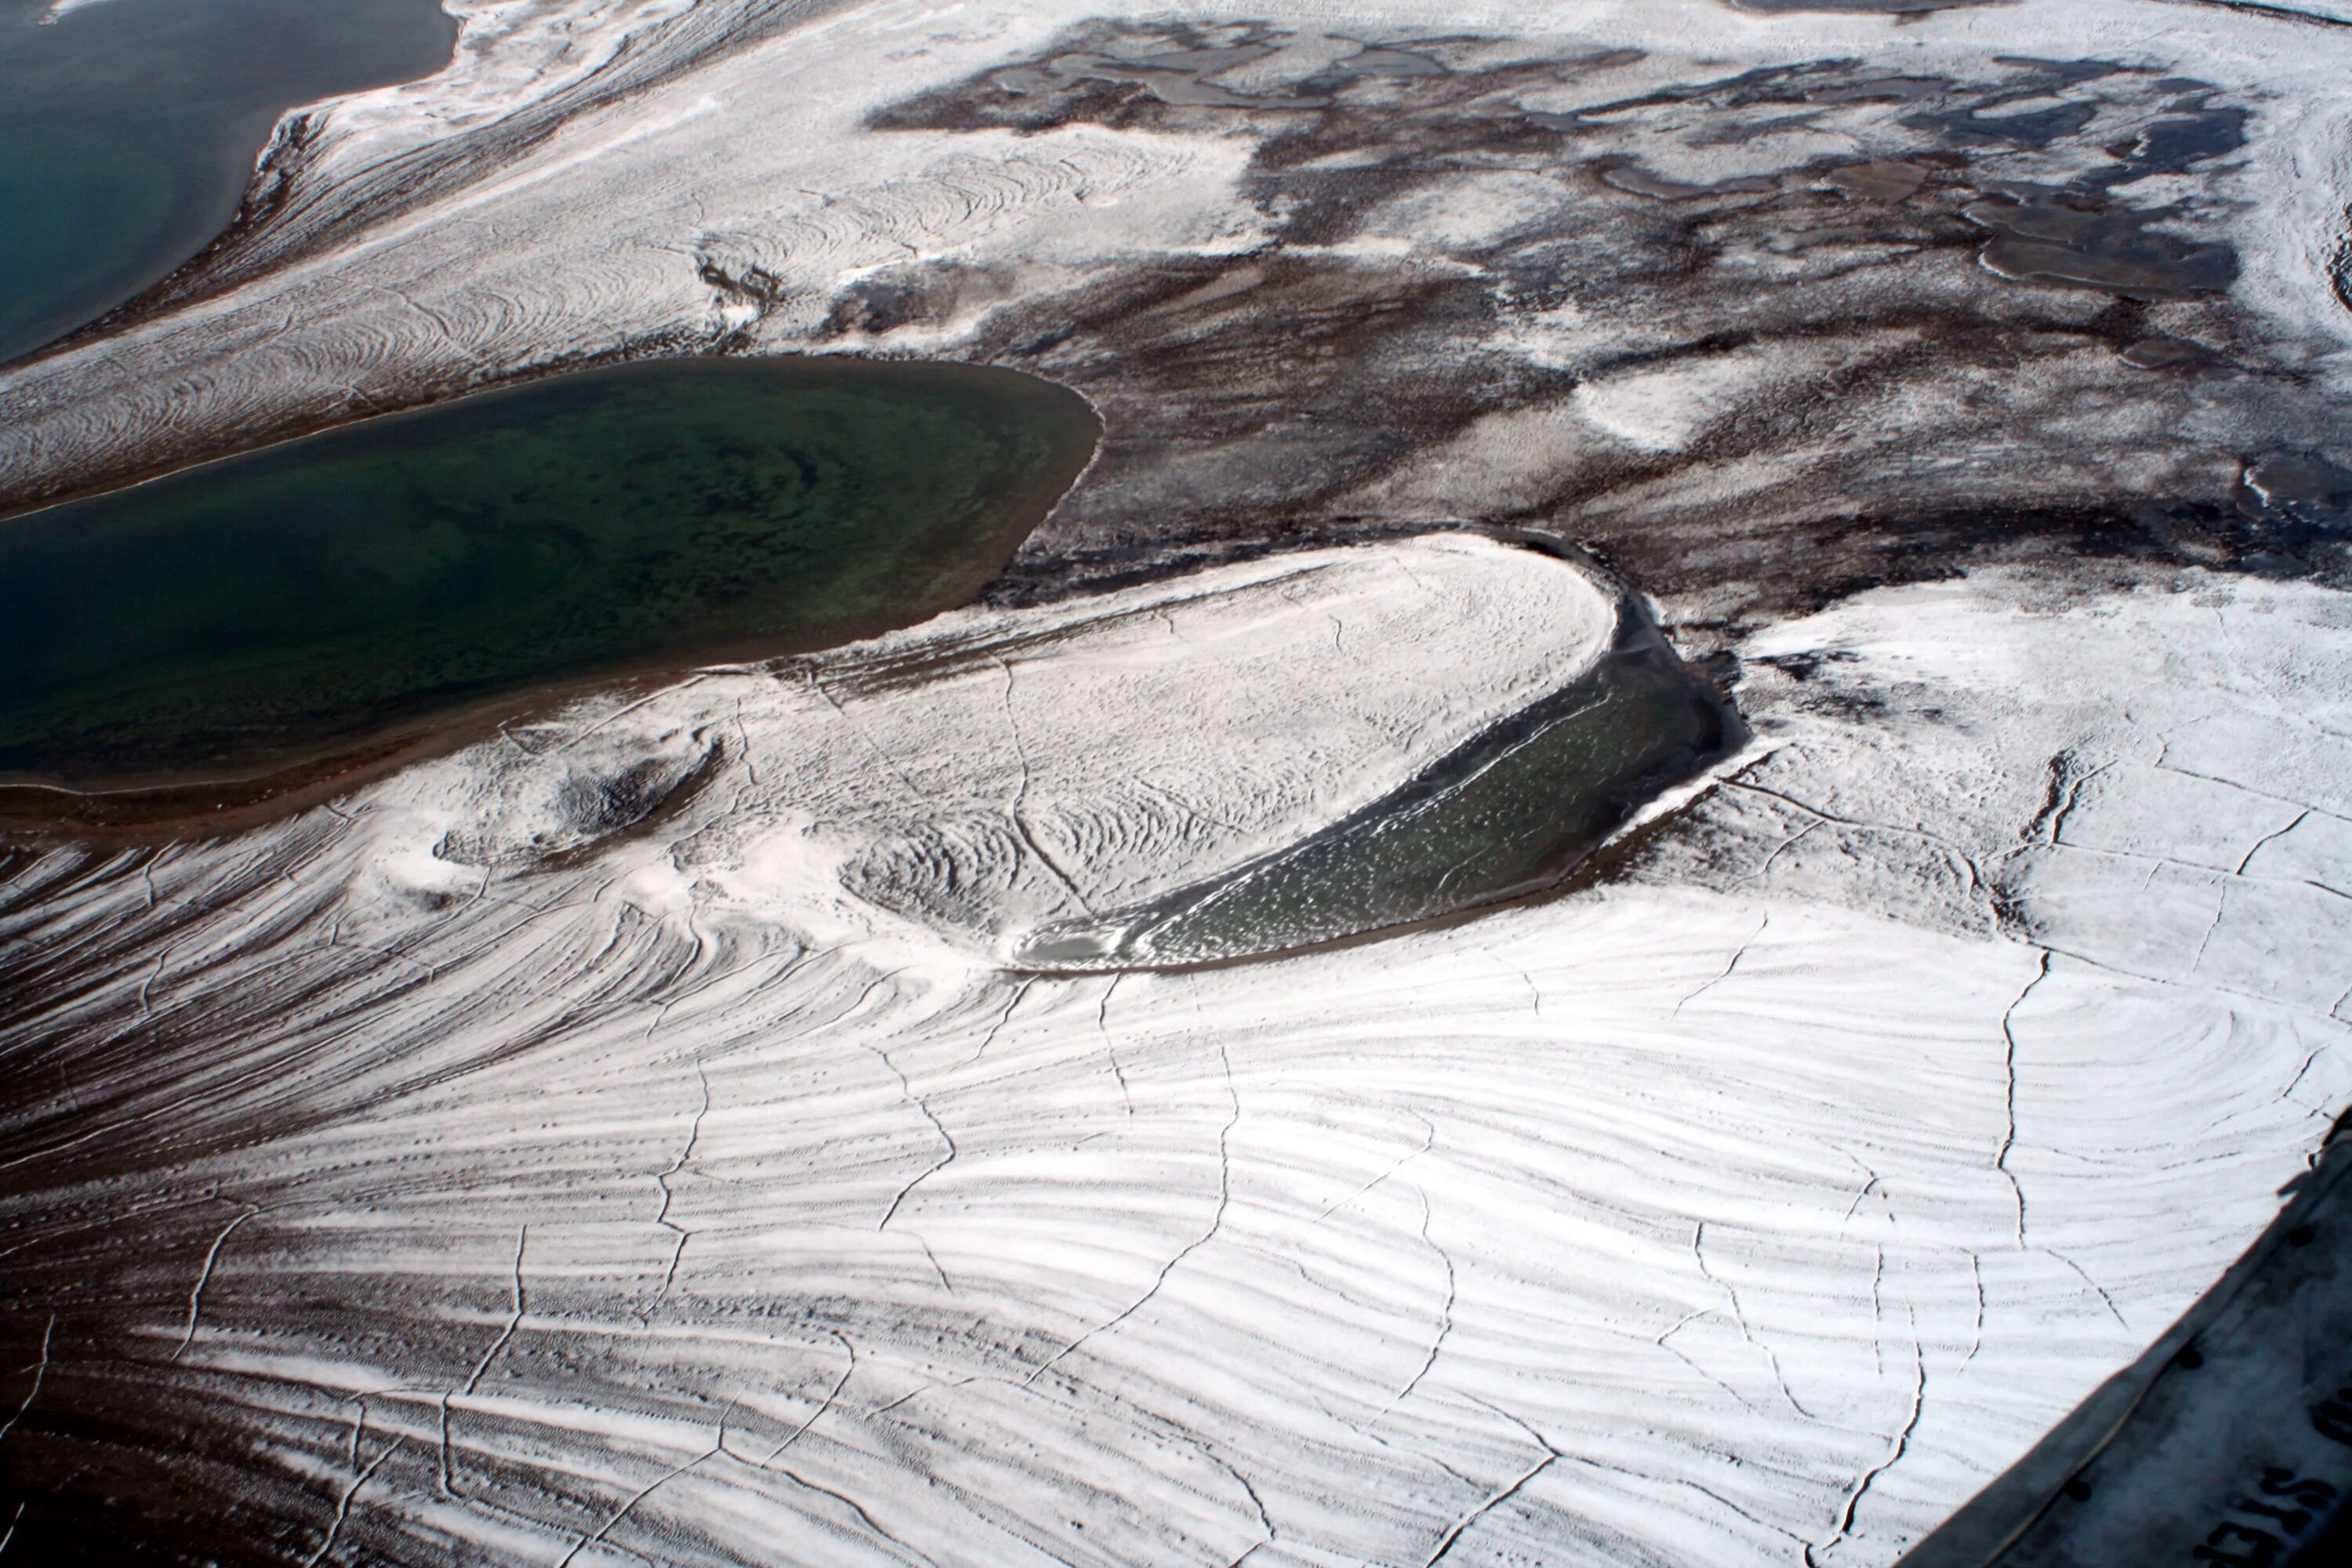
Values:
[(426, 1178), (627, 1140)]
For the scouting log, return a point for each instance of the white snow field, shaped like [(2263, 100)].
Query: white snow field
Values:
[(465, 1187), (630, 1140)]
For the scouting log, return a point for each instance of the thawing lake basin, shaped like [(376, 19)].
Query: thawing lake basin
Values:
[(269, 610)]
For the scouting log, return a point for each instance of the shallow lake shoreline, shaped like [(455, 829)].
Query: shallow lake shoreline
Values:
[(829, 500)]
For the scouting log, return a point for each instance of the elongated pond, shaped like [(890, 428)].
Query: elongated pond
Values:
[(280, 605), (1510, 812), (132, 126)]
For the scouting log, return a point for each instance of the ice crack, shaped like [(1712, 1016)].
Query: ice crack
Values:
[(1011, 1003), (2008, 1136), (40, 1371), (855, 1508), (2109, 1302), (343, 1503), (1018, 811), (1428, 1138), (1102, 1025), (2067, 777), (1535, 992), (473, 1380), (204, 1277), (1902, 1445), (848, 1370), (1216, 1222), (2247, 859), (1551, 1455), (717, 1447), (669, 1194), (1736, 957), (1739, 1316), (1445, 1313), (1977, 883)]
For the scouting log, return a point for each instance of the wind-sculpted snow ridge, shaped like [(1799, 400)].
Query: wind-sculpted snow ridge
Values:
[(1510, 814), (622, 1142)]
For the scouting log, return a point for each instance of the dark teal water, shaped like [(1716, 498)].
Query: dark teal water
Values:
[(128, 128), (285, 602)]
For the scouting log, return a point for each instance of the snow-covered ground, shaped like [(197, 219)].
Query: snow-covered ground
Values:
[(600, 177), (460, 1186), (626, 1140)]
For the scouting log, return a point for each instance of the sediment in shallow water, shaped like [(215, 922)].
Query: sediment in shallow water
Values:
[(309, 599)]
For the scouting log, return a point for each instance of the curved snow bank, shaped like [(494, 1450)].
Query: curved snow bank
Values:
[(530, 1161), (1510, 814)]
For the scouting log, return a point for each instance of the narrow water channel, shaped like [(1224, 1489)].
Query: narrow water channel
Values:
[(278, 605), (129, 129), (1510, 812)]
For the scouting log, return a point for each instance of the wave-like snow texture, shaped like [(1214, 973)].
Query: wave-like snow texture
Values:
[(620, 1142)]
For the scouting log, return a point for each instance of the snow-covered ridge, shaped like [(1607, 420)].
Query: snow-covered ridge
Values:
[(954, 775), (500, 1195)]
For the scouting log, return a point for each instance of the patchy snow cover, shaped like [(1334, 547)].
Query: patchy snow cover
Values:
[(588, 176), (1664, 410), (667, 1196)]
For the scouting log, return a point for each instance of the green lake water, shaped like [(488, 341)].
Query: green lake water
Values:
[(130, 128), (287, 602), (1510, 812)]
